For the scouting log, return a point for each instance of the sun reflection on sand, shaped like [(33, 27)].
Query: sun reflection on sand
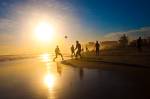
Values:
[(49, 80)]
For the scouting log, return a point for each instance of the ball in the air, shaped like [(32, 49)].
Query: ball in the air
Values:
[(66, 37)]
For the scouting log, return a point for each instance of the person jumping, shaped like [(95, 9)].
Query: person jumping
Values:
[(78, 47), (57, 52), (72, 51)]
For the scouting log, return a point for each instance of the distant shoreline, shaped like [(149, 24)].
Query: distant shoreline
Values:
[(4, 58)]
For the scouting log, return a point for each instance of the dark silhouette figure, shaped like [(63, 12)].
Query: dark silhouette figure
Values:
[(57, 52), (139, 44), (97, 46), (72, 51), (78, 47), (81, 73), (87, 50)]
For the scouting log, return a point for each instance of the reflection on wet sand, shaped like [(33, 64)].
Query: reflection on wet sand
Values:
[(59, 68), (81, 73), (40, 78), (50, 77), (49, 80), (54, 78), (98, 80)]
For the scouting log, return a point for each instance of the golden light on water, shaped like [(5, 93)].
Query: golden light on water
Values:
[(44, 31), (50, 77), (49, 80), (45, 57)]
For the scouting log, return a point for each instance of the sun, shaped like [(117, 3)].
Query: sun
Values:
[(44, 31)]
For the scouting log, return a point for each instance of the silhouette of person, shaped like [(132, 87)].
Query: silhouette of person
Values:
[(72, 51), (57, 52), (139, 44), (97, 46), (78, 47), (87, 50)]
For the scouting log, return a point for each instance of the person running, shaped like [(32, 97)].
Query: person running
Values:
[(57, 52), (97, 46), (139, 44), (72, 51), (78, 47)]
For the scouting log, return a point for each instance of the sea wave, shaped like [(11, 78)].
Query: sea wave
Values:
[(15, 57), (4, 58)]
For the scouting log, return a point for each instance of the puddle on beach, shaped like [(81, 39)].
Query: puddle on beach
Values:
[(40, 78)]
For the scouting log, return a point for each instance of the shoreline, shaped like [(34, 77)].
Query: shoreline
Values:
[(106, 62)]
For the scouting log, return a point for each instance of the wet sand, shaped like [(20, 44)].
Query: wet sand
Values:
[(40, 78)]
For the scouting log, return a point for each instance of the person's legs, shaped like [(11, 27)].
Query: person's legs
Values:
[(96, 52), (55, 57), (61, 56), (72, 54), (77, 53), (80, 53)]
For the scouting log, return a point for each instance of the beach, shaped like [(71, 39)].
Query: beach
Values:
[(74, 49), (41, 78), (113, 58)]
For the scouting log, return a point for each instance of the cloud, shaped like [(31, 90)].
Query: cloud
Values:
[(132, 34), (8, 31)]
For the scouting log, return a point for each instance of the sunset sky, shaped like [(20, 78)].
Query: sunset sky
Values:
[(83, 20)]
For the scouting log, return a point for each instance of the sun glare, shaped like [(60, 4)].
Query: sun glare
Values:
[(44, 31), (49, 80)]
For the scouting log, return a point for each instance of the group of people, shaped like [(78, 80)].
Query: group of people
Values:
[(73, 53), (76, 51), (78, 48)]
